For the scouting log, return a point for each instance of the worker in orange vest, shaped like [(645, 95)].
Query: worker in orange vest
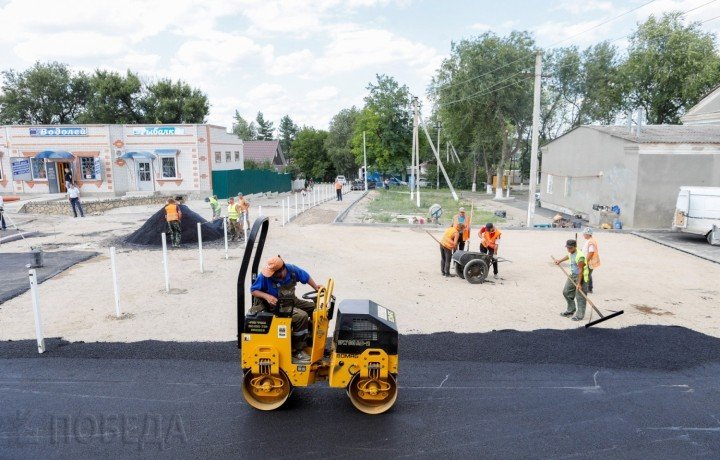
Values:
[(489, 244), (173, 215), (461, 218), (448, 244), (590, 249)]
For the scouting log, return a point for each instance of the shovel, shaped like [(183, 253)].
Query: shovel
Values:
[(579, 291)]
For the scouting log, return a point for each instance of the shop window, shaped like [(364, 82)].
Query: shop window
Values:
[(218, 157), (237, 156), (38, 168), (228, 157), (169, 166), (87, 168), (549, 189)]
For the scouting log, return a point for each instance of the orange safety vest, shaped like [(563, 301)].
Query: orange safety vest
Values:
[(593, 262), (243, 205), (338, 185), (172, 212), (489, 238), (447, 238), (466, 231)]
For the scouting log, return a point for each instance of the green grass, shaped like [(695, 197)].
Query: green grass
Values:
[(388, 204)]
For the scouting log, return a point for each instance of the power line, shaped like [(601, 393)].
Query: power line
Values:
[(682, 14), (485, 90), (558, 42)]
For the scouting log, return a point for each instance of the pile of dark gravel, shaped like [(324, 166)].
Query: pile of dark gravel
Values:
[(149, 233)]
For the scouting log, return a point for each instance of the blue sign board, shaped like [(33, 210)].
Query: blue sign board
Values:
[(98, 168), (59, 131), (20, 168)]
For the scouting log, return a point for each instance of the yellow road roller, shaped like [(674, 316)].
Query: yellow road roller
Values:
[(362, 356)]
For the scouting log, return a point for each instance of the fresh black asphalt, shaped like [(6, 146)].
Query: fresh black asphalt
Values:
[(14, 274), (639, 392)]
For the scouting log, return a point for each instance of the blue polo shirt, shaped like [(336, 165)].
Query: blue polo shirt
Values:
[(265, 284)]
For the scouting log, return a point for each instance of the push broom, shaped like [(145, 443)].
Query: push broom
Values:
[(602, 317)]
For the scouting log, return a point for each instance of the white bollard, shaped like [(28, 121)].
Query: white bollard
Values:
[(165, 262), (296, 213), (314, 190), (225, 233), (200, 254), (303, 203), (282, 210), (246, 224), (288, 208), (36, 311), (259, 211), (115, 282)]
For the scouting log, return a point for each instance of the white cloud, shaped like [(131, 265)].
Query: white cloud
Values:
[(69, 45), (265, 91), (586, 6), (293, 63), (322, 94)]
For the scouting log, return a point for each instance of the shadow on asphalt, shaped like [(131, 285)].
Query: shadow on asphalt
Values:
[(638, 347)]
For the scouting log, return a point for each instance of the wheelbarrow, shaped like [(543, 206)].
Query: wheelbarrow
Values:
[(472, 266)]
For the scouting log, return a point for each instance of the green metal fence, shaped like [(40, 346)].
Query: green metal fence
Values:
[(230, 183)]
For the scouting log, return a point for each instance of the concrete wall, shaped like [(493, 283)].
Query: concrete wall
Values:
[(664, 168), (223, 143), (62, 207), (577, 159)]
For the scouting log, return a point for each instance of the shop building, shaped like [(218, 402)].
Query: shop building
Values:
[(114, 159)]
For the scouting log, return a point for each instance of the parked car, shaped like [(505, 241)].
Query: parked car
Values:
[(396, 181), (698, 211), (341, 179), (359, 184), (423, 183)]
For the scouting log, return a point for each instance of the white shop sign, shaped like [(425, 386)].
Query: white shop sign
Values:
[(158, 131)]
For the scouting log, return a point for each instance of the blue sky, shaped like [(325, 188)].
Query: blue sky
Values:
[(308, 59)]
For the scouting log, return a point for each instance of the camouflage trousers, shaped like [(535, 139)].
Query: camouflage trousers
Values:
[(175, 232)]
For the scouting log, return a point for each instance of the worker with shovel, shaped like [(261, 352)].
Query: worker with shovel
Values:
[(577, 281), (448, 245)]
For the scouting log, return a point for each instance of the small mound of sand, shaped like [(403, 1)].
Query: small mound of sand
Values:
[(149, 233)]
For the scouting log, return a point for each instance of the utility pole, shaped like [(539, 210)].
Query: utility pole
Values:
[(413, 103), (438, 163), (535, 140), (365, 161)]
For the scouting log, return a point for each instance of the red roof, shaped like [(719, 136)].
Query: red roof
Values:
[(261, 151)]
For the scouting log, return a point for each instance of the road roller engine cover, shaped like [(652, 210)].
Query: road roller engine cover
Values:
[(362, 357)]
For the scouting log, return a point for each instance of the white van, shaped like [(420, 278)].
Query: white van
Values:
[(341, 179), (698, 211)]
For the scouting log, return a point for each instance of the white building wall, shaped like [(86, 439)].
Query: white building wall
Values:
[(223, 144)]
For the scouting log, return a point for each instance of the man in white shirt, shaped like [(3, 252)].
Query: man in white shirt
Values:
[(73, 194)]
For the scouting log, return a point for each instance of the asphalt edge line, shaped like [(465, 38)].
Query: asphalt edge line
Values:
[(675, 247), (343, 214)]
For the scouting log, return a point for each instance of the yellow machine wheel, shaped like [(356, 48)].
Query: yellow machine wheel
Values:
[(372, 396), (265, 391)]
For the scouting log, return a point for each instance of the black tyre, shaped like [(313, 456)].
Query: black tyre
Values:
[(459, 270), (475, 271)]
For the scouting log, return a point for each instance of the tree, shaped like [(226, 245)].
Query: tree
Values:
[(264, 128), (288, 130), (339, 141), (113, 98), (484, 94), (387, 122), (310, 155), (242, 129), (43, 94), (168, 102), (669, 67), (582, 88)]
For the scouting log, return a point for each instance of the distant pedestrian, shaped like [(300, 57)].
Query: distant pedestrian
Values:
[(68, 178), (215, 206), (2, 216), (233, 217), (461, 218), (490, 243), (173, 216), (590, 248), (73, 195), (577, 281), (448, 244), (386, 184), (338, 189)]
